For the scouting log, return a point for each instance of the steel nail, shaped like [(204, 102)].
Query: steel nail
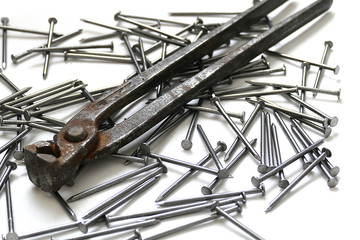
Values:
[(130, 158), (334, 69), (16, 58), (255, 94), (139, 24), (64, 205), (223, 172), (328, 45), (99, 37), (233, 220), (5, 22), (262, 168), (317, 90), (192, 209), (332, 121), (113, 218), (121, 228), (142, 53), (260, 72), (8, 82), (291, 138), (52, 22), (111, 182), (191, 224), (218, 105), (8, 28), (258, 106), (305, 68), (84, 224), (221, 146), (326, 131), (207, 190), (296, 180), (145, 146), (269, 146), (123, 192), (71, 48), (9, 166), (54, 229), (186, 144), (184, 164), (257, 180), (98, 56), (30, 98), (240, 116), (14, 95), (283, 182), (137, 32), (150, 19), (182, 201), (204, 14), (11, 235), (290, 112), (333, 170), (15, 139)]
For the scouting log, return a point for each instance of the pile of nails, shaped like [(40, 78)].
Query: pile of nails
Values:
[(23, 111)]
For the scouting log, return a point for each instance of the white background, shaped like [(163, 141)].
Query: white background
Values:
[(311, 211)]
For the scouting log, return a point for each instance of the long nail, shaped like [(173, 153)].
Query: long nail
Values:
[(68, 48), (65, 206), (15, 139), (9, 166), (206, 190), (184, 164), (269, 146), (303, 88), (328, 45), (200, 198), (221, 146), (186, 144), (8, 28), (259, 106), (296, 181), (84, 224), (334, 69), (256, 181), (333, 170), (14, 95), (255, 94), (333, 121), (233, 220), (305, 68), (11, 234), (145, 146), (212, 110), (111, 182), (223, 172), (291, 112), (291, 139), (283, 182), (235, 128), (52, 22), (5, 22), (137, 32), (191, 224), (16, 58), (119, 17), (125, 227), (123, 192)]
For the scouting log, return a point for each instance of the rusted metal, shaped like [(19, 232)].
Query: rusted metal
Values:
[(51, 164)]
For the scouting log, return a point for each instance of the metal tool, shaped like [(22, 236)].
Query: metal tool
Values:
[(50, 164)]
